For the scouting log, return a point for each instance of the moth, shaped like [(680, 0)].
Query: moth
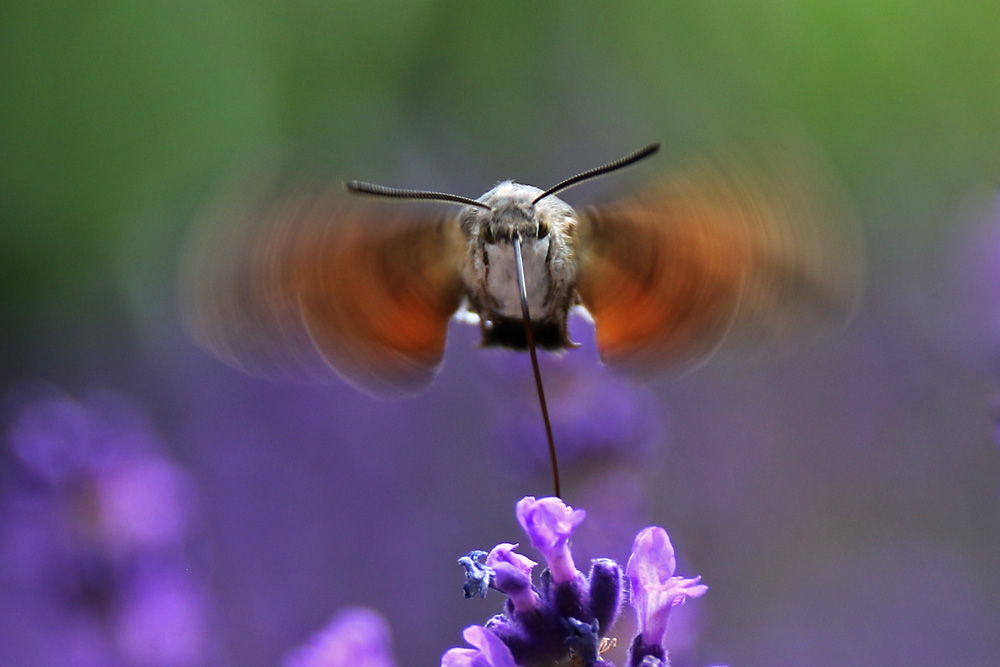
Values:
[(290, 277)]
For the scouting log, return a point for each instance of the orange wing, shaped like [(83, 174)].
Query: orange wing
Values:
[(720, 252), (276, 283)]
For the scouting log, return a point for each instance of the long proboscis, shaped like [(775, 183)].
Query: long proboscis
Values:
[(526, 315)]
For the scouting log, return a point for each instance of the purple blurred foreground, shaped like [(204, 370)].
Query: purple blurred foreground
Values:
[(827, 496), (96, 525)]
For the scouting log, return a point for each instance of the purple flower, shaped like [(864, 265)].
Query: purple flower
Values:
[(355, 637), (161, 620), (549, 523), (655, 589), (95, 533), (489, 651), (504, 553), (143, 503), (56, 437), (566, 610), (568, 614), (512, 573)]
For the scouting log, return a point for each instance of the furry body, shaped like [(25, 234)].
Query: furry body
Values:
[(548, 232)]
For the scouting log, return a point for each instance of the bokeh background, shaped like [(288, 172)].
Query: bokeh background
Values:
[(158, 508)]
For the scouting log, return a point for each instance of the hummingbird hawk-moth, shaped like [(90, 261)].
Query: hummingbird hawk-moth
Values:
[(291, 278)]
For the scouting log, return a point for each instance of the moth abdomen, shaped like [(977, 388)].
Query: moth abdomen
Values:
[(509, 332)]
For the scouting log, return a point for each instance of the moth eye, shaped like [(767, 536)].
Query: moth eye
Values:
[(488, 236), (543, 229)]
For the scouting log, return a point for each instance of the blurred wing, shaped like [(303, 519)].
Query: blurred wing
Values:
[(279, 283), (733, 251)]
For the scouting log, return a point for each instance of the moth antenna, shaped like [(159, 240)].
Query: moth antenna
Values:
[(526, 315), (599, 171), (362, 188)]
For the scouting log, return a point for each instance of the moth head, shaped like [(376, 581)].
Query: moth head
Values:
[(510, 209), (515, 210)]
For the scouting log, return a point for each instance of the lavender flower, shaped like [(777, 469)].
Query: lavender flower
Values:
[(94, 538), (489, 651), (512, 574), (655, 590), (549, 522), (355, 637), (568, 614), (504, 553)]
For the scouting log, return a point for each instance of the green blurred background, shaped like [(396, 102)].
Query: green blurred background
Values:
[(117, 116), (118, 119)]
